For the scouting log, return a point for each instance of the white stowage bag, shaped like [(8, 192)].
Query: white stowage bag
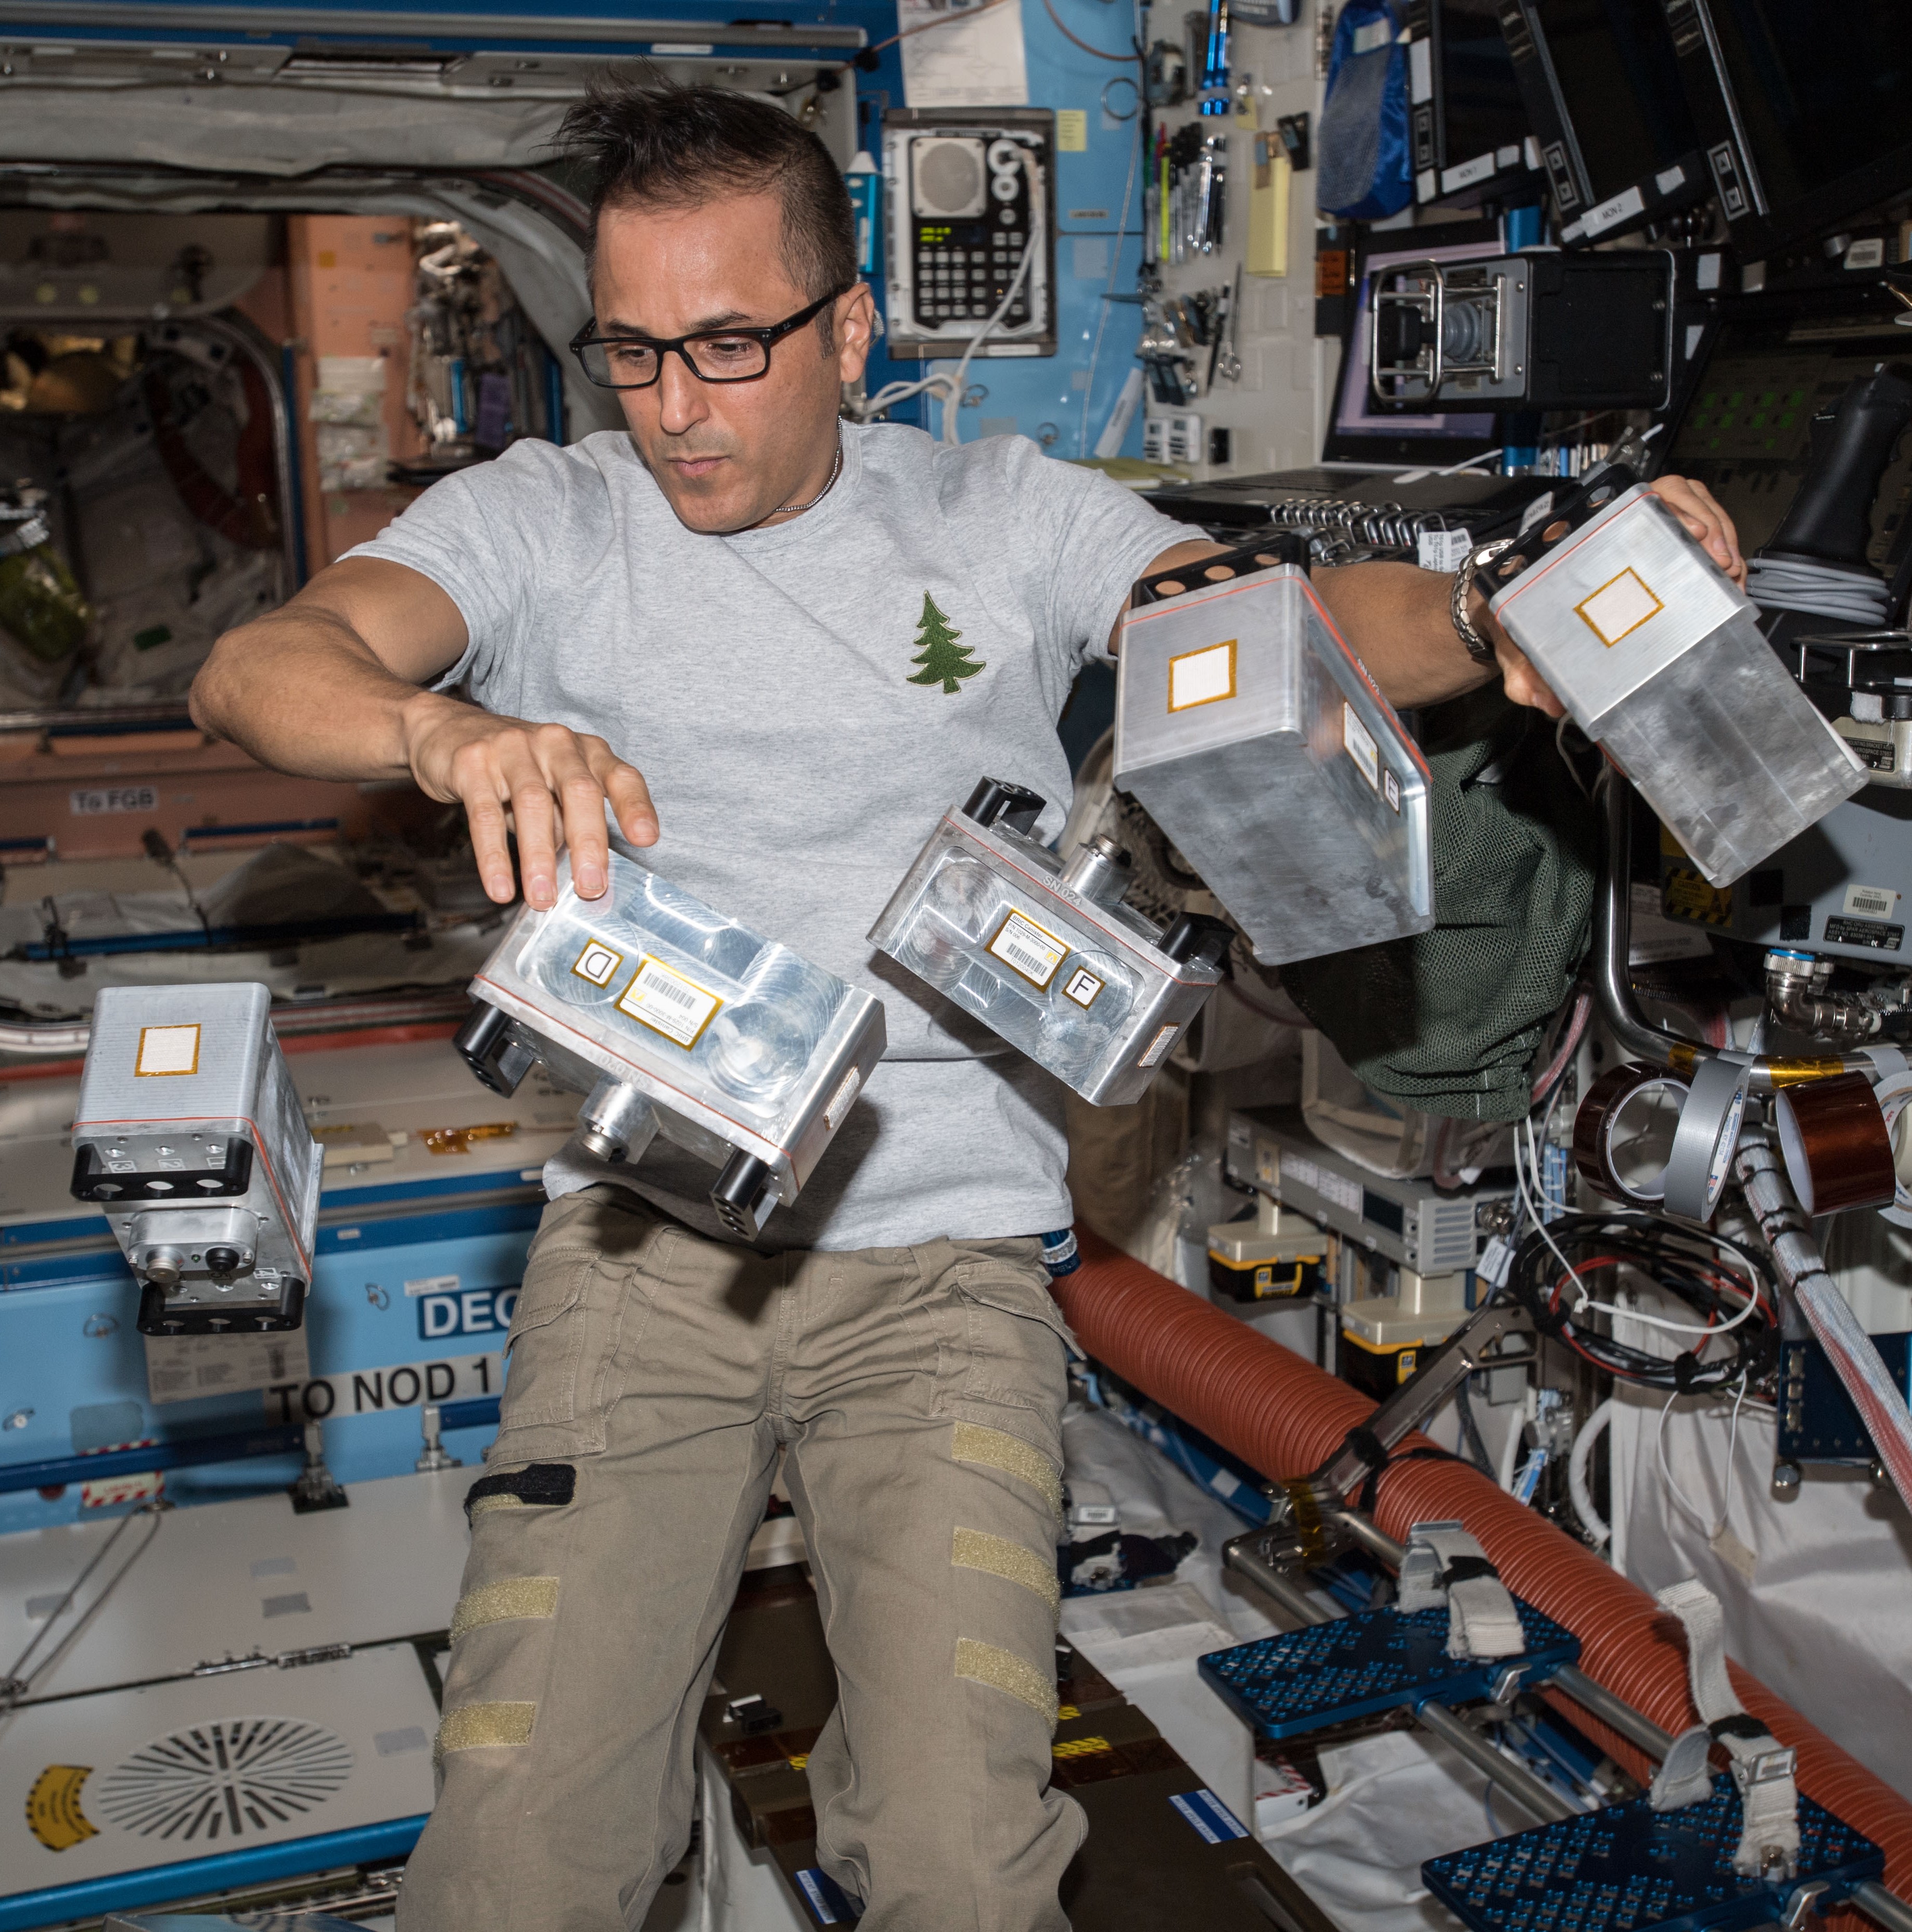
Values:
[(1813, 1590)]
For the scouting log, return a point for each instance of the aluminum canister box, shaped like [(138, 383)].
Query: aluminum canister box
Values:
[(189, 1134), (1660, 659), (1253, 736), (677, 1021), (1046, 954)]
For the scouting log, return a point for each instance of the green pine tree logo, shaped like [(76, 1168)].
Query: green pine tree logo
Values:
[(944, 661)]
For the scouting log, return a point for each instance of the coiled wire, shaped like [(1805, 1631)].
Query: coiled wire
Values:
[(1712, 1273)]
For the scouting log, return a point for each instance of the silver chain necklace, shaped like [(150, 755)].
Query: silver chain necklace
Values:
[(797, 509)]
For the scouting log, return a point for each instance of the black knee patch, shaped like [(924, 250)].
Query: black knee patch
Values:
[(541, 1486)]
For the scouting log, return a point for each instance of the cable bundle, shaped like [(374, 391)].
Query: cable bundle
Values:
[(1719, 1280)]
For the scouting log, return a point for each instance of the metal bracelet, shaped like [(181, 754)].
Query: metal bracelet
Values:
[(1479, 649)]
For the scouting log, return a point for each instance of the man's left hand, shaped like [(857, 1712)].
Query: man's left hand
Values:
[(1702, 517)]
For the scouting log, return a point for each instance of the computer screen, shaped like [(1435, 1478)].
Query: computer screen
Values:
[(1744, 432), (1614, 65), (1480, 101), (1818, 92), (1362, 433)]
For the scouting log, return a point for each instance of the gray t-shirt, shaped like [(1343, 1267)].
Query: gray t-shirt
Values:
[(764, 684)]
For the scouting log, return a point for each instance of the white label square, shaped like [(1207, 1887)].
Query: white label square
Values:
[(1202, 677), (597, 962), (168, 1049), (1619, 608), (1025, 948), (1082, 986), (1361, 746), (669, 1003)]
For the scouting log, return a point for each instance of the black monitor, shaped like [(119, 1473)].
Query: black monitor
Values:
[(1361, 431), (1468, 136), (1801, 109), (1743, 426), (1602, 91)]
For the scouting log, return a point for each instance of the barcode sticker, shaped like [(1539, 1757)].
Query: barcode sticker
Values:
[(1025, 948), (1159, 1047), (669, 1003), (1443, 550), (1359, 741), (1870, 902)]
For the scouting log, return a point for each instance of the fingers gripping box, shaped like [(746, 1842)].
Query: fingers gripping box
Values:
[(1660, 659), (1254, 737), (1046, 954), (677, 1021), (190, 1137)]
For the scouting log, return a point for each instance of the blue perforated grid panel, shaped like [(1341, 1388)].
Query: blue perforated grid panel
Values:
[(1629, 1868), (1306, 1680)]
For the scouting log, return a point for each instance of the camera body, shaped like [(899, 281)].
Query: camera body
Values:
[(675, 1020), (1044, 952), (189, 1135)]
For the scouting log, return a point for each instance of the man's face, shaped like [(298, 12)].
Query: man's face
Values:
[(726, 455)]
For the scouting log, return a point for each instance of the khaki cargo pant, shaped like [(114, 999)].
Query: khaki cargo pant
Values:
[(654, 1377)]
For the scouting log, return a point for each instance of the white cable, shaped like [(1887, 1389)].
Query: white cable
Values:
[(945, 384), (1506, 1467), (953, 402), (1710, 1530), (1819, 590), (1578, 1487), (1587, 1300)]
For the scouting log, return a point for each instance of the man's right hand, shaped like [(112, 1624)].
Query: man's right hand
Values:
[(328, 684), (554, 782)]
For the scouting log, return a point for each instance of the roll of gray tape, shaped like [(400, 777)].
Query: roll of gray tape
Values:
[(1704, 1142)]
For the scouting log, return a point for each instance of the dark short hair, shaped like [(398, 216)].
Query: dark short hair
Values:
[(676, 147)]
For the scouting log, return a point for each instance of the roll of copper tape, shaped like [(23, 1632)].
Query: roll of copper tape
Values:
[(1837, 1146), (1616, 1101)]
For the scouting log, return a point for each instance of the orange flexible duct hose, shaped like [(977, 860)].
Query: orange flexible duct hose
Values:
[(1285, 1417)]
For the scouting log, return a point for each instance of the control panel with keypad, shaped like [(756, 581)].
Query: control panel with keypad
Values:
[(967, 199)]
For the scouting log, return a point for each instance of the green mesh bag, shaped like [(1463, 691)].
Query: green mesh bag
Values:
[(1449, 1021)]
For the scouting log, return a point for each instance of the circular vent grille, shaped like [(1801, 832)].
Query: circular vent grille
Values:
[(236, 1778), (949, 177)]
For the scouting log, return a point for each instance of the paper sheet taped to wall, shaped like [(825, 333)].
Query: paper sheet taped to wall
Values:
[(965, 63)]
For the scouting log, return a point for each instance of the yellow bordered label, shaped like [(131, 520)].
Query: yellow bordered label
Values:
[(661, 998), (1206, 676), (1618, 608), (167, 1050), (1029, 951), (597, 963)]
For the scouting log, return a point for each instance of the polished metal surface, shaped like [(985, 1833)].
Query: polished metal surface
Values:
[(1255, 739), (1660, 659), (1507, 1772)]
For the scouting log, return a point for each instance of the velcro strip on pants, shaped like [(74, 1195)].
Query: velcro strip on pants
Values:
[(1763, 1767), (1004, 1670), (1445, 1565), (1013, 1457), (974, 1549), (507, 1600), (538, 1485), (470, 1726)]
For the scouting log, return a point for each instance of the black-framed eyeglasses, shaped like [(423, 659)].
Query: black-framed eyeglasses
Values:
[(711, 356)]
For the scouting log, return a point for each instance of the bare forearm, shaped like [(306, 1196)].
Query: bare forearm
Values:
[(1395, 619), (301, 691)]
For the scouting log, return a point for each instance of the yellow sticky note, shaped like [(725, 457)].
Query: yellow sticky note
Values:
[(1071, 130)]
